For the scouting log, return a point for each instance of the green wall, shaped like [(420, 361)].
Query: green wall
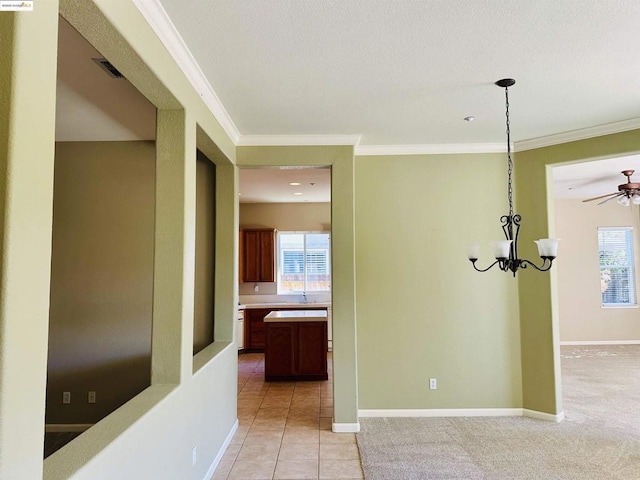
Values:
[(192, 399), (538, 302), (423, 311)]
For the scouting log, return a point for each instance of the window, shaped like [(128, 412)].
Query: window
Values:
[(617, 270), (304, 262)]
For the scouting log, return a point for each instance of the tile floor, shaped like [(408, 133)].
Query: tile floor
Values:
[(285, 431)]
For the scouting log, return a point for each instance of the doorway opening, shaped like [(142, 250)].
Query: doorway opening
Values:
[(597, 339), (285, 248)]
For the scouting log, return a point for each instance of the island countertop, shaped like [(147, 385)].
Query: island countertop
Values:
[(297, 316), (296, 305)]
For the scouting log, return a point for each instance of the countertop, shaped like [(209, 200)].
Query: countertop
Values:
[(296, 316), (285, 305)]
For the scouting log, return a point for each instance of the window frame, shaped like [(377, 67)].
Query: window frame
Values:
[(629, 264), (280, 263)]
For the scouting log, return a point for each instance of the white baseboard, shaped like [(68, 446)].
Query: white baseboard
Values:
[(67, 427), (223, 448), (443, 412), (549, 417), (464, 412), (602, 342), (345, 427)]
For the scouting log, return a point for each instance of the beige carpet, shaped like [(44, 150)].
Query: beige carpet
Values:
[(599, 439)]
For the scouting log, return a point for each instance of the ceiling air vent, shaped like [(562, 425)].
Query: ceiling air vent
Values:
[(106, 65)]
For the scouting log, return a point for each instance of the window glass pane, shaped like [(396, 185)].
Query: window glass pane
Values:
[(617, 267), (304, 262)]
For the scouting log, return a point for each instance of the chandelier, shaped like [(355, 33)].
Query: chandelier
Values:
[(506, 251)]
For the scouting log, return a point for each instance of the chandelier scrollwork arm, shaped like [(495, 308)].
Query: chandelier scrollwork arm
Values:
[(506, 251)]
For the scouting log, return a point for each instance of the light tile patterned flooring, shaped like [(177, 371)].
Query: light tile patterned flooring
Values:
[(285, 431)]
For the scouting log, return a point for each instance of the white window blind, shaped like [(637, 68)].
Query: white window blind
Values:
[(304, 262), (617, 266)]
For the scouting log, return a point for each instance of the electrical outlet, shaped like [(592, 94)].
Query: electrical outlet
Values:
[(194, 455), (433, 384), (91, 397), (66, 397)]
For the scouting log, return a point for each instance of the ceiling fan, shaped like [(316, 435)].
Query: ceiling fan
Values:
[(627, 192)]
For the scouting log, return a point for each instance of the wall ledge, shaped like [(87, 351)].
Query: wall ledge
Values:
[(208, 353), (67, 427)]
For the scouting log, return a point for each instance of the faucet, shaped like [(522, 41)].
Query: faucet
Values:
[(304, 297)]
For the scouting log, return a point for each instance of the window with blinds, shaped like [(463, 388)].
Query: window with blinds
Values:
[(617, 266), (304, 262)]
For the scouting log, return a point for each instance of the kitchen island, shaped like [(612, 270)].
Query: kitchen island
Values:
[(295, 345)]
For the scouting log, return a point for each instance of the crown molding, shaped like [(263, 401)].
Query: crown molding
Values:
[(370, 150), (574, 135), (293, 140), (166, 31)]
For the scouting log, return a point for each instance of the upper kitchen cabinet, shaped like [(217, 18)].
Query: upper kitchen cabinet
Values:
[(257, 258)]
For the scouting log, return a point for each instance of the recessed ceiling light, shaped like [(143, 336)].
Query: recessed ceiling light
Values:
[(294, 184), (297, 193)]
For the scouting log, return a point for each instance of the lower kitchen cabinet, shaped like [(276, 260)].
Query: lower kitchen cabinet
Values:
[(254, 327), (295, 351)]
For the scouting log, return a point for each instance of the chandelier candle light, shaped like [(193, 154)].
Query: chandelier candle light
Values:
[(506, 251)]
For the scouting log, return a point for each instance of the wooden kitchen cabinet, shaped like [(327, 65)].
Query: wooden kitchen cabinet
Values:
[(254, 327), (257, 255), (296, 351)]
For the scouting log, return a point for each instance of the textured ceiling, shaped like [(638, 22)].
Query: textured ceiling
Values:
[(272, 185), (398, 73), (408, 71)]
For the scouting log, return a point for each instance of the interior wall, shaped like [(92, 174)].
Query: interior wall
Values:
[(423, 312), (283, 217), (27, 127), (101, 277), (582, 316), (203, 315), (154, 434), (286, 216), (539, 316)]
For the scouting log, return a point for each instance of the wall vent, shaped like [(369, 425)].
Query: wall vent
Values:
[(106, 65)]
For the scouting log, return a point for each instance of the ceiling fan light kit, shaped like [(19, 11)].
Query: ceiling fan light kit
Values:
[(627, 193), (506, 251)]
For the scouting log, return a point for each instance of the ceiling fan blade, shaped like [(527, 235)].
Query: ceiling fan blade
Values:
[(621, 194), (601, 196)]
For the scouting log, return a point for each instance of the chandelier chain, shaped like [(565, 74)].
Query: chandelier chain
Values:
[(510, 162)]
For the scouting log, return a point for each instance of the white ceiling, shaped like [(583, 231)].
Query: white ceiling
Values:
[(406, 72), (272, 185), (395, 73), (592, 179)]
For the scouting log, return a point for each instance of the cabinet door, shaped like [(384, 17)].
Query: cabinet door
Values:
[(258, 259), (251, 256), (241, 256), (267, 256), (279, 352), (255, 329), (312, 348)]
